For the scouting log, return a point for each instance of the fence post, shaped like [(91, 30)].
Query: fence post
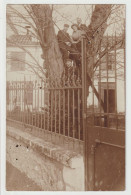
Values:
[(89, 147), (84, 105)]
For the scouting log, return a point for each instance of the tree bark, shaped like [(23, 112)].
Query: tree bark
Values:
[(48, 40), (49, 43), (95, 31)]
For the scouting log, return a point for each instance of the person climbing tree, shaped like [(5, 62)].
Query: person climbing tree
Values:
[(67, 47), (64, 42)]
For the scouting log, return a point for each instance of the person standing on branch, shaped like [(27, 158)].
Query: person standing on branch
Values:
[(67, 48), (64, 41), (81, 26), (76, 36)]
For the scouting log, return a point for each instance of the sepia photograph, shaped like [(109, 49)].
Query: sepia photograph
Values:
[(65, 97)]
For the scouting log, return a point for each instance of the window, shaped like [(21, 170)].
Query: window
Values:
[(109, 100), (108, 61), (17, 61), (108, 95), (111, 61)]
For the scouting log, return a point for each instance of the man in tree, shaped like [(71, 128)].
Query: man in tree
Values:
[(66, 46), (81, 26), (64, 42)]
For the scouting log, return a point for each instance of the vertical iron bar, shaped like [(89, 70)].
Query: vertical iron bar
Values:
[(41, 105), (124, 65), (79, 126), (8, 94), (93, 92), (107, 86), (74, 125), (63, 111), (59, 110), (24, 98), (55, 111), (20, 100), (51, 92), (73, 115), (32, 102), (64, 104), (115, 64), (44, 106), (28, 91), (84, 108), (68, 113), (16, 115), (35, 105), (100, 89), (12, 98), (38, 105), (10, 89), (12, 92)]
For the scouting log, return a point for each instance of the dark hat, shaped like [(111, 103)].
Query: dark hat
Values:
[(66, 25), (74, 25)]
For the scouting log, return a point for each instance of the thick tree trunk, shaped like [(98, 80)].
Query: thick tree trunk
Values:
[(48, 40), (96, 30), (49, 43), (95, 33)]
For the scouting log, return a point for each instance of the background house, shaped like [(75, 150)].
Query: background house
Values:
[(23, 55), (24, 69), (109, 80)]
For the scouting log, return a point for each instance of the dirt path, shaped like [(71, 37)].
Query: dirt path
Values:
[(17, 181)]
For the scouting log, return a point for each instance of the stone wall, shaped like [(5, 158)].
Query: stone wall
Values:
[(54, 168), (49, 166)]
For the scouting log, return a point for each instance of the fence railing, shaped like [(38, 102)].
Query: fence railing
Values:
[(55, 106)]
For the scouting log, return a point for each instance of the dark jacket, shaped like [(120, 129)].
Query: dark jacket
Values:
[(82, 27), (62, 36)]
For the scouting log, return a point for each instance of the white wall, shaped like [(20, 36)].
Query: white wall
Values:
[(19, 75)]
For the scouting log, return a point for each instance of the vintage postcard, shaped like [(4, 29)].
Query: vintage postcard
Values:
[(65, 97)]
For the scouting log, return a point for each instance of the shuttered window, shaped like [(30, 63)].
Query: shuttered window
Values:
[(17, 61)]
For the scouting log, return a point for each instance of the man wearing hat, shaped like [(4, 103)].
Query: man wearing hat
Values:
[(81, 26), (64, 41), (67, 48)]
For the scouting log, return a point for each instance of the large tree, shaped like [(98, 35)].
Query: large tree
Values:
[(42, 24)]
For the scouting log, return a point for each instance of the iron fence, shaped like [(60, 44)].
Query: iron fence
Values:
[(56, 108), (106, 99), (49, 107)]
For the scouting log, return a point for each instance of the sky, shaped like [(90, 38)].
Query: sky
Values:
[(68, 14)]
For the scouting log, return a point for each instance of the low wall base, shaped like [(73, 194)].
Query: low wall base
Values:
[(49, 166)]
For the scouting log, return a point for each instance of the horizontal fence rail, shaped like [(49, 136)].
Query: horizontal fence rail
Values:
[(106, 99), (54, 106)]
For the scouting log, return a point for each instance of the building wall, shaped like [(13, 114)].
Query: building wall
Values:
[(28, 74), (116, 75)]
